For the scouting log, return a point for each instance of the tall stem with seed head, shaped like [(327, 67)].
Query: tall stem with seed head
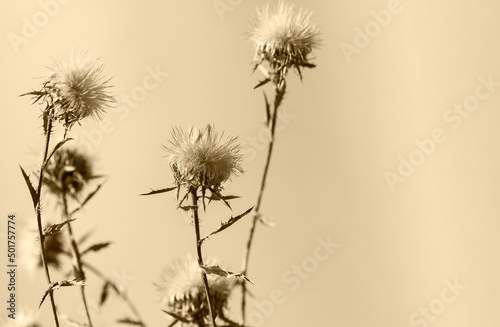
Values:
[(279, 93), (194, 215), (39, 213)]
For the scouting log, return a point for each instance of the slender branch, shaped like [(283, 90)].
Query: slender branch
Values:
[(123, 295), (39, 214), (78, 267), (279, 93), (194, 213)]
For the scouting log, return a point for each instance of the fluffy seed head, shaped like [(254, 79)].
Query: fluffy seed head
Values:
[(78, 89), (201, 158), (182, 291), (68, 172), (284, 36)]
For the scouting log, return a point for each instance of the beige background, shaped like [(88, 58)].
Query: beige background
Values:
[(352, 122)]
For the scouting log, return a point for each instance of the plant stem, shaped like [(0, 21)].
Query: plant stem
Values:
[(77, 264), (123, 295), (279, 93), (39, 216), (194, 213)]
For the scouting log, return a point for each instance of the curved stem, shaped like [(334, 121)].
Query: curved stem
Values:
[(280, 92), (78, 267), (39, 216), (194, 213)]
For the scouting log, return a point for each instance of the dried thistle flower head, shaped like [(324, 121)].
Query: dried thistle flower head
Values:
[(200, 158), (67, 172), (182, 292), (80, 88), (75, 89), (284, 37)]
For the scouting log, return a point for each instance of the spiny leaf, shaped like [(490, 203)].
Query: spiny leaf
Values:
[(176, 316), (279, 97), (34, 194), (37, 95), (104, 293), (57, 147), (187, 208), (268, 110), (87, 199), (55, 228), (227, 224), (96, 247), (177, 191), (215, 197), (183, 198), (173, 323), (217, 270), (308, 65), (220, 197), (163, 190), (130, 322), (263, 82), (62, 283)]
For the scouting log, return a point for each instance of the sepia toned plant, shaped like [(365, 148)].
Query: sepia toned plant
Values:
[(200, 160), (78, 89), (68, 172), (284, 37), (182, 292), (73, 90)]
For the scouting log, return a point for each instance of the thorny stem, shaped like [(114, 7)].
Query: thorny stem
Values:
[(123, 295), (39, 215), (78, 267), (194, 213), (280, 92)]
